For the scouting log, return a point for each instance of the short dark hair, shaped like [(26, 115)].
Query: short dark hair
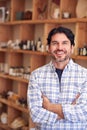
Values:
[(64, 30)]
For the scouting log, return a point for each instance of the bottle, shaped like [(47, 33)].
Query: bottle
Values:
[(56, 13), (28, 44), (39, 43), (42, 48), (81, 51), (47, 48), (84, 50)]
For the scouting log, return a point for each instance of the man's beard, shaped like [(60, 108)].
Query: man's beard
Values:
[(59, 59), (62, 60)]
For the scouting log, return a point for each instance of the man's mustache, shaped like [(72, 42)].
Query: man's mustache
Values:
[(57, 51)]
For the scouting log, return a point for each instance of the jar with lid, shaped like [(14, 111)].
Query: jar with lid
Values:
[(39, 43)]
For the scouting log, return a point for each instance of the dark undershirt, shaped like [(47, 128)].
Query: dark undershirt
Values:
[(59, 73)]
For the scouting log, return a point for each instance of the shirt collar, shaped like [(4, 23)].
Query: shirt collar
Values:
[(68, 66)]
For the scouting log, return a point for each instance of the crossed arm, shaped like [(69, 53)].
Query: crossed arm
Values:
[(56, 108)]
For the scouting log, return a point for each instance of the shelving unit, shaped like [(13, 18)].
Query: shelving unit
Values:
[(31, 29)]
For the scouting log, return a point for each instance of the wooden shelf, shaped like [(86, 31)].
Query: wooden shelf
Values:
[(14, 105), (37, 53), (81, 57), (24, 51), (58, 21), (4, 126), (13, 78)]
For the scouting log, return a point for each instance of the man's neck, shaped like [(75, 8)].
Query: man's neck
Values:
[(61, 65)]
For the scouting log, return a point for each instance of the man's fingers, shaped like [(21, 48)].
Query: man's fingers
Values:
[(77, 96)]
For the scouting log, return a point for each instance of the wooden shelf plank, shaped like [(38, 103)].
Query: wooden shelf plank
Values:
[(81, 57), (68, 20), (23, 51), (36, 53), (4, 126), (14, 105), (13, 78)]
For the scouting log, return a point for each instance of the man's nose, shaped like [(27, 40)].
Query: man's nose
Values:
[(59, 46)]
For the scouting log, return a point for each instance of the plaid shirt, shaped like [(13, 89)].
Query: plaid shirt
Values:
[(44, 80)]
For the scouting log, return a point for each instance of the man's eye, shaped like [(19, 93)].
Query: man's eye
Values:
[(54, 43), (64, 42)]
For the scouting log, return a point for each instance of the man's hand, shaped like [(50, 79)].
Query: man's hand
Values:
[(77, 96), (46, 103)]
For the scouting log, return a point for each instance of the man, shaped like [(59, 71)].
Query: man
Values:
[(57, 92)]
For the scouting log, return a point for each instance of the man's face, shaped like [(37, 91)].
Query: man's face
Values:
[(60, 47)]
